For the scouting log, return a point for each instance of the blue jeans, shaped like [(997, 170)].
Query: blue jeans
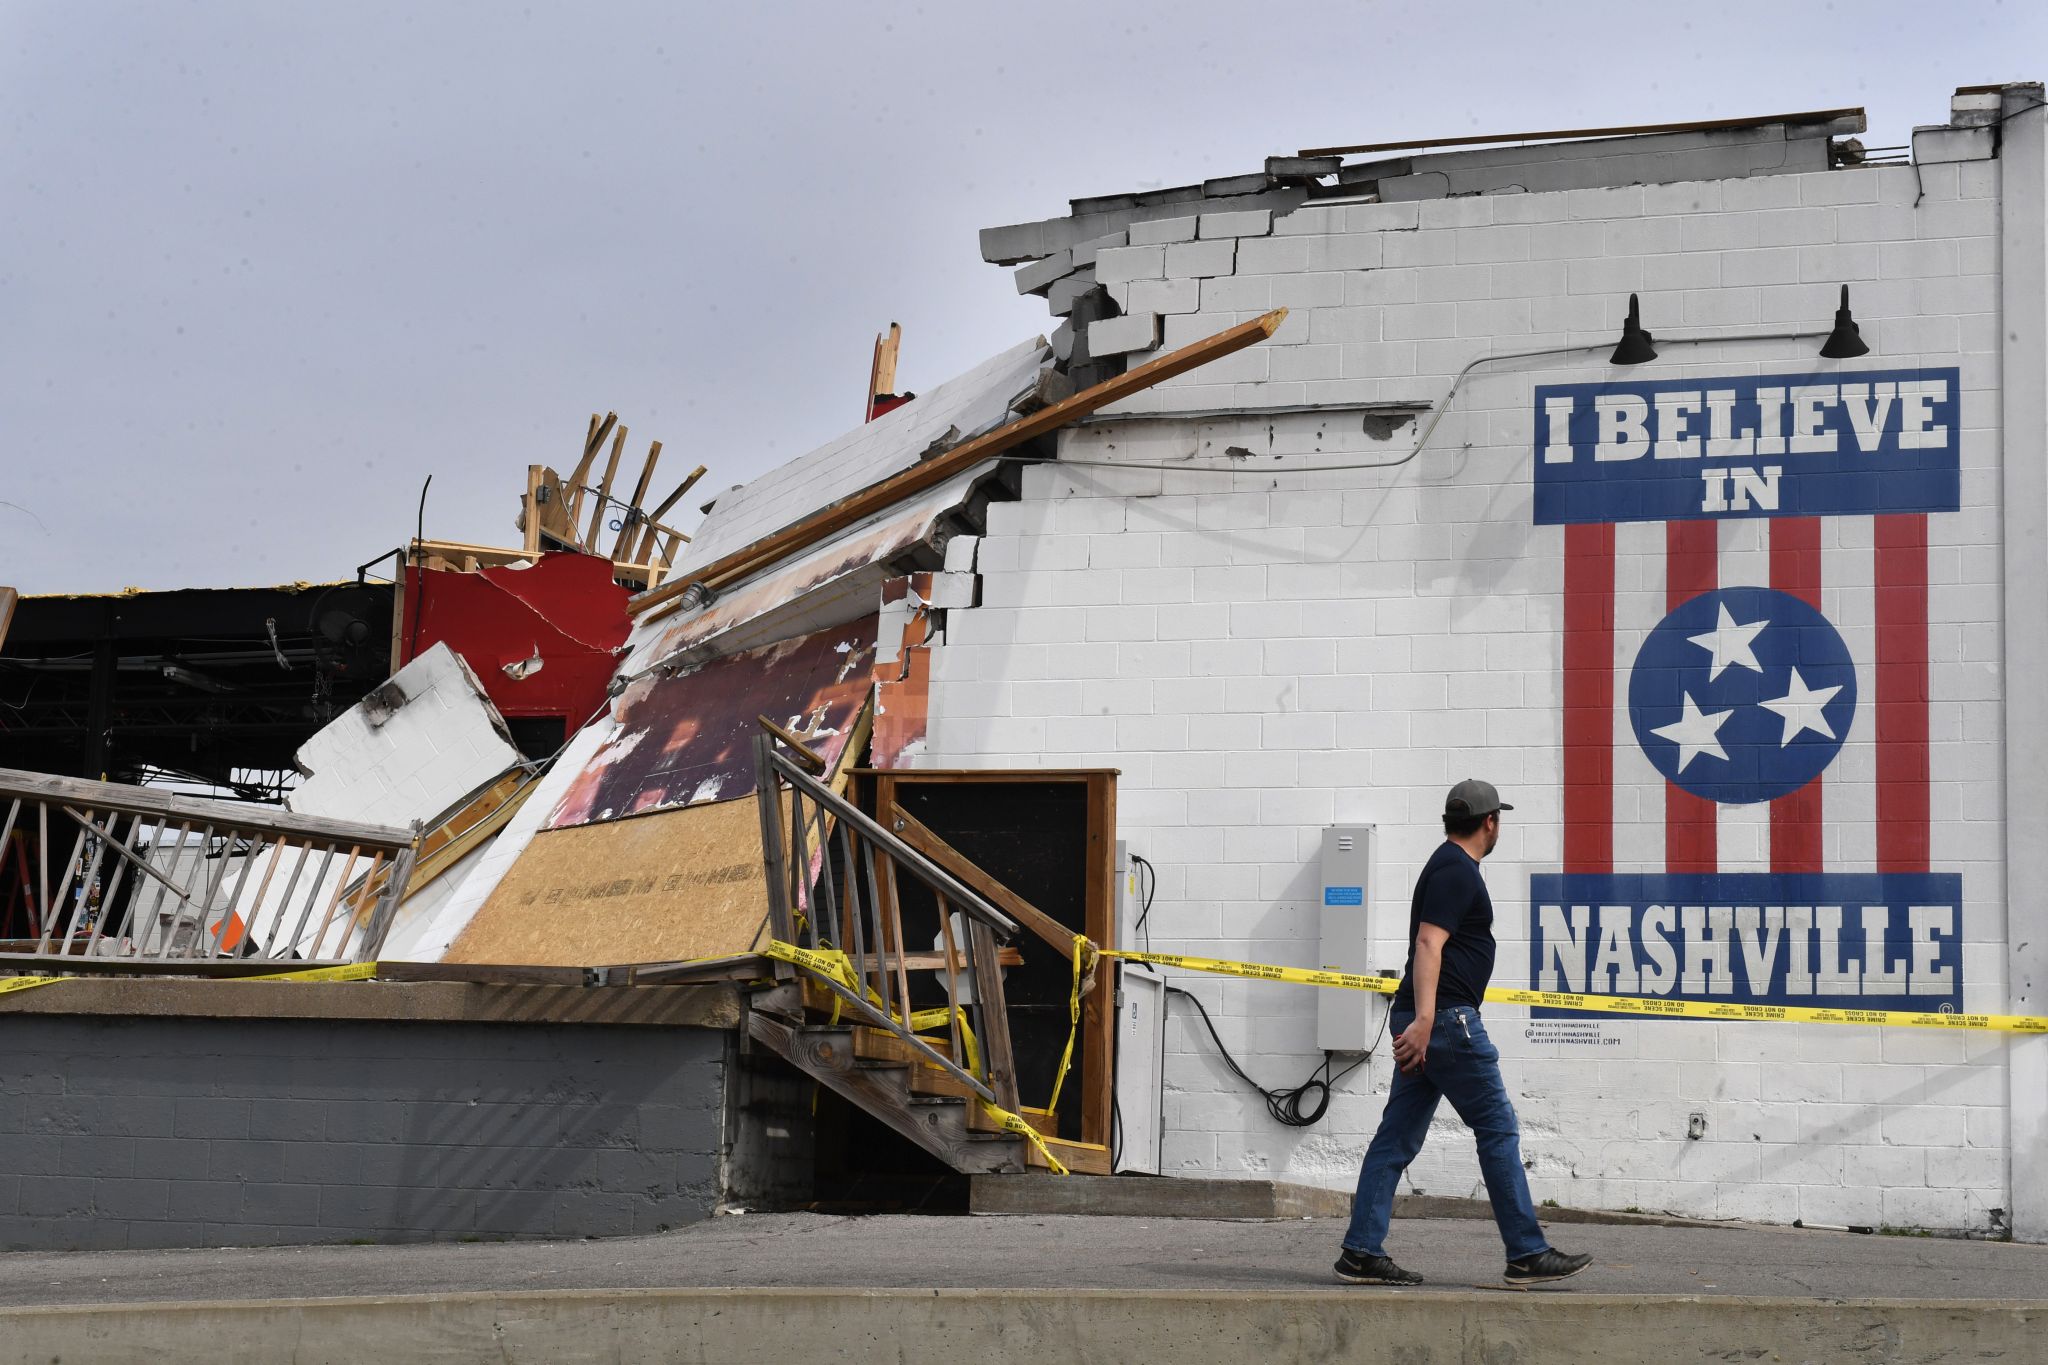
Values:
[(1463, 1065)]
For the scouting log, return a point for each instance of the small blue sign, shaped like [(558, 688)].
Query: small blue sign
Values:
[(1742, 695), (1839, 940), (1788, 445), (1343, 895)]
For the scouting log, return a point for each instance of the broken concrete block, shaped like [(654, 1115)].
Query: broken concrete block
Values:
[(1132, 332), (1302, 167), (1241, 223), (1049, 388), (1934, 144), (960, 552), (1062, 340), (1166, 296), (1226, 185), (954, 589), (1064, 291), (1200, 260), (1039, 276), (1084, 252), (1161, 230), (1115, 266)]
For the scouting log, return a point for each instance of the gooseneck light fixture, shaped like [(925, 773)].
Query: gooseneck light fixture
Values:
[(1635, 347), (1846, 341)]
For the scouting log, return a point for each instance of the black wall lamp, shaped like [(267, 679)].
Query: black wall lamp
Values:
[(1634, 347), (1846, 341)]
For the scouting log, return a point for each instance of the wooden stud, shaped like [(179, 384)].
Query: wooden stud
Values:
[(603, 495), (929, 474), (654, 518), (529, 515), (882, 371), (629, 531), (592, 443), (993, 1007)]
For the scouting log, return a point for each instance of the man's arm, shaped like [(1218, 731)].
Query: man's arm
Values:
[(1411, 1048)]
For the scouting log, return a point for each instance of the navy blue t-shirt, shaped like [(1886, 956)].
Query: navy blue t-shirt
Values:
[(1451, 895)]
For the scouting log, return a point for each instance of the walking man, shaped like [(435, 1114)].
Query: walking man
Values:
[(1441, 1050)]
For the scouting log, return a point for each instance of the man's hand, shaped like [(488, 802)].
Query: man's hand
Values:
[(1411, 1045)]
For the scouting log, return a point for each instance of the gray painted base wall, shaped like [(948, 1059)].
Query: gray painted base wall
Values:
[(159, 1132)]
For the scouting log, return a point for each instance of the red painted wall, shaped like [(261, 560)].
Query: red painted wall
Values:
[(565, 607)]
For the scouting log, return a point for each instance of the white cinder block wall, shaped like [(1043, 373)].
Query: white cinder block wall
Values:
[(1267, 652)]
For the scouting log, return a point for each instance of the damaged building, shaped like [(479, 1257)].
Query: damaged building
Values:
[(1685, 482)]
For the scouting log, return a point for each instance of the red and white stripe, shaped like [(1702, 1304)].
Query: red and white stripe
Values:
[(1868, 812)]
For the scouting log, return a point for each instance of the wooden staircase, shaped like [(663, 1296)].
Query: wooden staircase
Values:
[(842, 1058), (851, 1032)]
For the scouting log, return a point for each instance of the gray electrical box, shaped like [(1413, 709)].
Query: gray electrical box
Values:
[(1345, 1019)]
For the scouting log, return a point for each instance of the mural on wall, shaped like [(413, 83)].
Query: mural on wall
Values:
[(1744, 693)]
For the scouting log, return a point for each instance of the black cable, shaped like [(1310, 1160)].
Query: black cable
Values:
[(1289, 1107), (1148, 887)]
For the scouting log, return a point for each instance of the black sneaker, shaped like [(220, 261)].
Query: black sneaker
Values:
[(1354, 1268), (1543, 1268)]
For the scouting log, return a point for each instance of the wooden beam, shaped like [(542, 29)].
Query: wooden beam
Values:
[(931, 473), (592, 443), (630, 523), (654, 526), (603, 493), (529, 518), (457, 837), (8, 597), (920, 837), (882, 373), (1560, 134)]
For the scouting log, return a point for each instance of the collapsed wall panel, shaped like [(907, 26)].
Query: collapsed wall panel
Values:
[(686, 740)]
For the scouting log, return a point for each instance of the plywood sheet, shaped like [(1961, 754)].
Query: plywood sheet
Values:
[(657, 888)]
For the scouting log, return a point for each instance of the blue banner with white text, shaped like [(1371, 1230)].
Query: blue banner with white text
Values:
[(1803, 445), (1838, 940)]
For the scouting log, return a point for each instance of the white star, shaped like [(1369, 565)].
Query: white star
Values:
[(1694, 732), (1803, 708), (1730, 643)]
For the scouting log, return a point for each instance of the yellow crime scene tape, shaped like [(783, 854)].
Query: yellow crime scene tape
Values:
[(354, 971), (1636, 1005)]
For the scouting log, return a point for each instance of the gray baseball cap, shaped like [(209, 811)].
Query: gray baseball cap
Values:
[(1473, 797)]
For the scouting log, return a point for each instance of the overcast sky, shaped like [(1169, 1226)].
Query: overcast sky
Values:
[(265, 267)]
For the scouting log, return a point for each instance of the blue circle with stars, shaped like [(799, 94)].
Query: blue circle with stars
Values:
[(1742, 695)]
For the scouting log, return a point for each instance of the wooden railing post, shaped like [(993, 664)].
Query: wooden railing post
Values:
[(994, 1009)]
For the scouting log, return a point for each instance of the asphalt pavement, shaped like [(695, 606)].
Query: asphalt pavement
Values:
[(797, 1250)]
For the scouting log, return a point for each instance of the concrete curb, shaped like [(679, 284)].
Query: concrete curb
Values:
[(1178, 1197), (1090, 1327)]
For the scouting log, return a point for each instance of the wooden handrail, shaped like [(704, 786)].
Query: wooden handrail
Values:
[(920, 837)]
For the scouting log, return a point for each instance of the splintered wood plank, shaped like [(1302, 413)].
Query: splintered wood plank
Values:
[(630, 523), (603, 496), (592, 443)]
